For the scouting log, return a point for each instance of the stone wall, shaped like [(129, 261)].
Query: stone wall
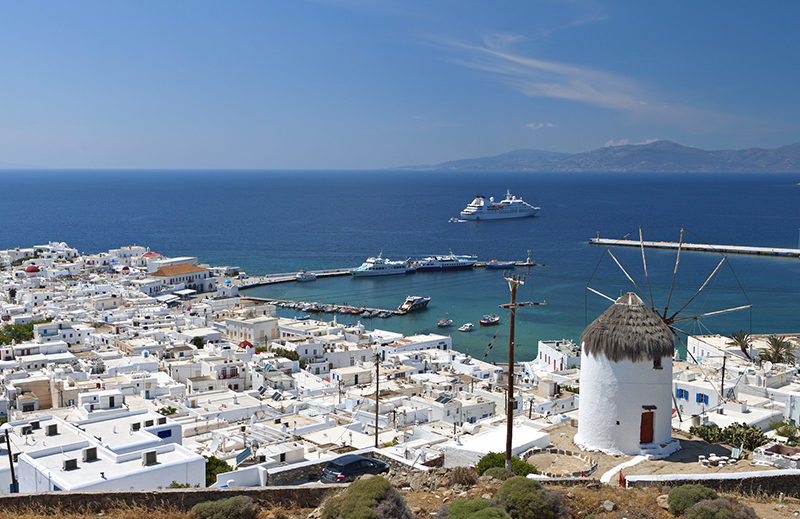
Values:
[(183, 499), (768, 482)]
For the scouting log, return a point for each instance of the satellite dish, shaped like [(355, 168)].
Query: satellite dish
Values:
[(768, 366), (253, 419), (214, 445)]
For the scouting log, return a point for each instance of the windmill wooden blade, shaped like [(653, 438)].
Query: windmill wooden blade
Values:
[(707, 314), (672, 318), (601, 294), (632, 281), (644, 264), (675, 272)]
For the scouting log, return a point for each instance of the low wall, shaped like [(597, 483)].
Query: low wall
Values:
[(183, 499), (312, 470), (554, 450), (770, 482)]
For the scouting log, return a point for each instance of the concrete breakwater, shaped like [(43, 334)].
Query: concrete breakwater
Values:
[(700, 247)]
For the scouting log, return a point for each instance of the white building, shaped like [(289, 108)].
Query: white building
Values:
[(626, 382)]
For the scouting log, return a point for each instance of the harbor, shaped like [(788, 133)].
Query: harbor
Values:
[(699, 247), (285, 277)]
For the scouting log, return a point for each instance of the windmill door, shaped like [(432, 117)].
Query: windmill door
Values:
[(647, 427)]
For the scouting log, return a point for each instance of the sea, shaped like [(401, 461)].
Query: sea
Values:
[(282, 221)]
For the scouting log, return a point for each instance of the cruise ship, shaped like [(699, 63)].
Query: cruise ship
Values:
[(449, 262), (380, 266), (509, 207)]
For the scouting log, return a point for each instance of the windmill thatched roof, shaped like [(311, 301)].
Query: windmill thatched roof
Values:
[(630, 330)]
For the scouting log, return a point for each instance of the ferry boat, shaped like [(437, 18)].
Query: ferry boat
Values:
[(414, 303), (449, 262), (509, 207), (380, 266), (304, 276)]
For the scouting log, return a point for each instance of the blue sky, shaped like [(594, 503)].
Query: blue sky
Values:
[(341, 84)]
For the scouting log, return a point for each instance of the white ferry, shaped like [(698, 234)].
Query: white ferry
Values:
[(449, 262), (304, 276), (509, 207), (380, 266)]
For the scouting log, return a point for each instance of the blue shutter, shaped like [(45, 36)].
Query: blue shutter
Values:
[(705, 399)]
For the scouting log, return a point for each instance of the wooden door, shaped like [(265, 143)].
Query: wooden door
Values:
[(647, 427)]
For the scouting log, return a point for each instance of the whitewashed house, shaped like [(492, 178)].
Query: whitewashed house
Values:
[(626, 382)]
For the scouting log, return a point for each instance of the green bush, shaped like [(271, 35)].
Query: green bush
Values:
[(523, 498), (498, 459), (499, 473), (215, 466), (463, 476), (475, 509), (686, 496), (736, 434), (371, 498), (238, 507)]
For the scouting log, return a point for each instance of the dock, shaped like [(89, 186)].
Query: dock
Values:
[(700, 247), (269, 279)]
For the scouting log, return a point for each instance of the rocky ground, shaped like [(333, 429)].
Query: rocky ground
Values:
[(426, 493)]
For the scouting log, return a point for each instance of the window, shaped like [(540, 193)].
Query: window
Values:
[(657, 363), (702, 399), (167, 433), (682, 393)]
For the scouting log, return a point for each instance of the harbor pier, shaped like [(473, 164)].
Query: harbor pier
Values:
[(700, 247)]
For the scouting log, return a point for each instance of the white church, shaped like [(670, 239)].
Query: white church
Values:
[(626, 382)]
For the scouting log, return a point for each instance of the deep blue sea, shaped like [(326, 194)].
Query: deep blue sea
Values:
[(282, 221)]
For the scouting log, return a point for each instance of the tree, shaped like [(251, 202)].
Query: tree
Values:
[(742, 340), (198, 342), (215, 466), (12, 293), (779, 351)]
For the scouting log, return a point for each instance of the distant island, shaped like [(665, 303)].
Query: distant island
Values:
[(659, 156)]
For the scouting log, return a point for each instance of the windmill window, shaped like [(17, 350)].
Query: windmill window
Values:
[(657, 363)]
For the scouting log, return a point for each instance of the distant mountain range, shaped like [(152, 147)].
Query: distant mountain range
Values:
[(659, 156)]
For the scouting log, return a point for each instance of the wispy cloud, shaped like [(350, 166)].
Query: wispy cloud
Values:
[(623, 142), (536, 126), (556, 80)]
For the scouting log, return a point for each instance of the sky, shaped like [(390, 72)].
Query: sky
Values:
[(357, 84)]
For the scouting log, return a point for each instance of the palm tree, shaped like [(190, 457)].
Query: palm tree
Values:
[(779, 350), (742, 340)]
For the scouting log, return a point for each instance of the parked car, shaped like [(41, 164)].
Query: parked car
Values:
[(349, 467)]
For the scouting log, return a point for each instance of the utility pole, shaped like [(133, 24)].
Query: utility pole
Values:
[(14, 487), (514, 281), (377, 392)]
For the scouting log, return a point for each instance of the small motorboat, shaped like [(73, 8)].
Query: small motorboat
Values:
[(385, 314), (494, 264), (444, 322), (466, 327), (489, 320)]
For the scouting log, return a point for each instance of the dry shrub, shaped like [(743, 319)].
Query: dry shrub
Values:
[(498, 473), (463, 476), (721, 508), (238, 507)]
